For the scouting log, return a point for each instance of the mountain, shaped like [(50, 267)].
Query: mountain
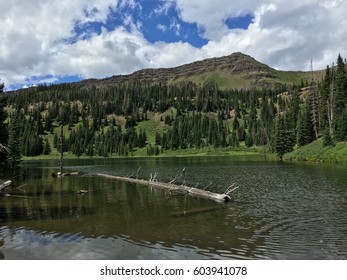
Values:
[(236, 71)]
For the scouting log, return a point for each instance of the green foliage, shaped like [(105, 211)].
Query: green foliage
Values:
[(327, 139), (283, 137), (341, 127), (316, 152), (305, 127), (14, 142), (3, 130)]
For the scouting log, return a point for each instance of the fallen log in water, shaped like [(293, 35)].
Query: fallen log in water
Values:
[(59, 175), (173, 188), (5, 185)]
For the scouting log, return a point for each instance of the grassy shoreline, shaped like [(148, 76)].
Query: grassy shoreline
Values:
[(317, 153), (314, 152), (190, 152)]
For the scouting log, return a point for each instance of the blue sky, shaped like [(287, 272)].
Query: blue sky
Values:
[(54, 41)]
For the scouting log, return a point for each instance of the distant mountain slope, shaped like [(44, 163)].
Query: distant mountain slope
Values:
[(236, 71)]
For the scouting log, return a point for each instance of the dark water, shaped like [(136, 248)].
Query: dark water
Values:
[(281, 211)]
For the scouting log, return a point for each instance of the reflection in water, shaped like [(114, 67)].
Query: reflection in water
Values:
[(281, 211)]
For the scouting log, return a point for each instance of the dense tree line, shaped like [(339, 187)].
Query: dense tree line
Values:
[(192, 116), (3, 130)]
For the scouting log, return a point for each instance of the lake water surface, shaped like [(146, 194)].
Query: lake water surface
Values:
[(280, 211)]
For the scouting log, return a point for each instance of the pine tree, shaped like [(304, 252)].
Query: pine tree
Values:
[(14, 143), (283, 141), (327, 139), (340, 101), (341, 127), (249, 140), (305, 127), (46, 147)]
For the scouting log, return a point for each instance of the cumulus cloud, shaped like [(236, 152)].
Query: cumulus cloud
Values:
[(38, 38), (283, 34), (33, 31), (162, 27)]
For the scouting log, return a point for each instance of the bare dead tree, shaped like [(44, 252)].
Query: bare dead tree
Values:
[(314, 103)]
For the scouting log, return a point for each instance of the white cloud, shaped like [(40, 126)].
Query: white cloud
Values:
[(174, 25), (161, 27), (164, 7), (34, 37), (284, 34), (31, 31)]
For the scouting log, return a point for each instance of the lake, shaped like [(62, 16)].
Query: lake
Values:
[(280, 211)]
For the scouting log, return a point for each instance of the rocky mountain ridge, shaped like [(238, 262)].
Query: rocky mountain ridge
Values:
[(236, 64)]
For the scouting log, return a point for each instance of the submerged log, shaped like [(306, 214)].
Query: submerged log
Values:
[(174, 188), (195, 211), (83, 191), (58, 174), (3, 194)]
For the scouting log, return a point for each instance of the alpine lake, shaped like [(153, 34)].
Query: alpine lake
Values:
[(281, 210)]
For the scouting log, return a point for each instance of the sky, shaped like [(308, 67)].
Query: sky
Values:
[(55, 41)]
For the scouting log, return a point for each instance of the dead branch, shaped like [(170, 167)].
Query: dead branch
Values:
[(153, 177), (229, 190), (5, 185), (137, 172), (173, 180), (207, 186)]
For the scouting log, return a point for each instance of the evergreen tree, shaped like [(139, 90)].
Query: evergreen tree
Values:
[(305, 127), (14, 142), (283, 143), (341, 127), (340, 101), (46, 147), (327, 139)]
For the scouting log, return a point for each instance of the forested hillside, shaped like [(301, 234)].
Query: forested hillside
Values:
[(139, 118)]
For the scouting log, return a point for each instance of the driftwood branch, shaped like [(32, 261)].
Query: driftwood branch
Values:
[(4, 149), (207, 186), (230, 190), (181, 175), (172, 181), (153, 177), (133, 174), (20, 187), (5, 185), (137, 172)]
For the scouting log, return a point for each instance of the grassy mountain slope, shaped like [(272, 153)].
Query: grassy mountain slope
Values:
[(316, 152), (236, 71)]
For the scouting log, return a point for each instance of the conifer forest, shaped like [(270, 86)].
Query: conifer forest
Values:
[(105, 120)]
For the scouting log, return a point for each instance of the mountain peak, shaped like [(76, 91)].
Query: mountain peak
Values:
[(234, 71), (237, 68)]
